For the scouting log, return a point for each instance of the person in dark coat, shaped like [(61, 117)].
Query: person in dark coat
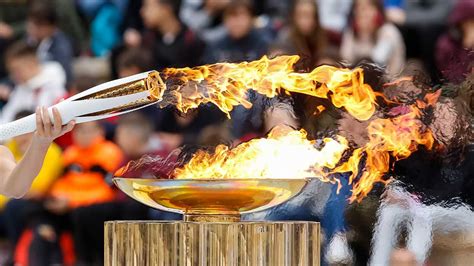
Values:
[(173, 44), (243, 42), (454, 49), (53, 44)]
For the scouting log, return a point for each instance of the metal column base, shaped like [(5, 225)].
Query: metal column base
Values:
[(212, 243)]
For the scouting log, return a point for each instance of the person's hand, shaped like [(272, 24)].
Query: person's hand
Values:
[(57, 205), (396, 15), (46, 130), (132, 38), (6, 31), (4, 92)]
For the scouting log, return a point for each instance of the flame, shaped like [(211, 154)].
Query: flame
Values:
[(285, 153), (288, 153), (226, 84), (388, 138)]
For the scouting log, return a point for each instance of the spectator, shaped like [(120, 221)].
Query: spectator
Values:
[(53, 45), (417, 12), (421, 22), (173, 43), (333, 16), (205, 18), (105, 27), (12, 25), (134, 61), (304, 36), (133, 136), (454, 53), (184, 129), (36, 84), (87, 161), (133, 24), (242, 41), (371, 37)]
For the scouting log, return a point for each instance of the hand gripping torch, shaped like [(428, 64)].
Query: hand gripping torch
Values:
[(105, 100)]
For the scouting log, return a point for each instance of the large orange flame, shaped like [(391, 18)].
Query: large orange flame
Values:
[(396, 137), (226, 84), (287, 153)]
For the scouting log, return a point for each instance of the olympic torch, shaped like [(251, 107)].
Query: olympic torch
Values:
[(105, 100)]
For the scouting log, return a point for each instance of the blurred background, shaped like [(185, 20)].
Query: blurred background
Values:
[(53, 49)]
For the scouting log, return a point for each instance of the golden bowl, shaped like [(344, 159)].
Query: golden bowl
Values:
[(211, 199)]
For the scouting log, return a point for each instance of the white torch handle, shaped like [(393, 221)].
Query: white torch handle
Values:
[(70, 110), (18, 127)]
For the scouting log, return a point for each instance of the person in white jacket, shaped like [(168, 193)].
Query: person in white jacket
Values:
[(36, 84)]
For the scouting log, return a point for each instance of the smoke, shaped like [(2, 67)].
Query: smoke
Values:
[(151, 166)]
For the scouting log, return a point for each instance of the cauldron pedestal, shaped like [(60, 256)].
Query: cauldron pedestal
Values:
[(211, 243)]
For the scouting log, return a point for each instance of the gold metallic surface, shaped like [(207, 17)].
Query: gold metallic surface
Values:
[(212, 244), (152, 83), (226, 198)]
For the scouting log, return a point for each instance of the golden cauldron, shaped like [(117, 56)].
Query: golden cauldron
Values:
[(211, 199), (211, 233)]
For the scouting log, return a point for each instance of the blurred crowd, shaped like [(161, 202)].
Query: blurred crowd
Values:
[(50, 50)]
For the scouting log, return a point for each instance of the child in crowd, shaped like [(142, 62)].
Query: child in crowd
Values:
[(304, 36), (87, 163), (134, 137), (242, 41), (36, 84), (173, 43), (371, 37), (205, 18), (43, 30)]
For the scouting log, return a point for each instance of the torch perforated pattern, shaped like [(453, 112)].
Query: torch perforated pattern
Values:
[(16, 128)]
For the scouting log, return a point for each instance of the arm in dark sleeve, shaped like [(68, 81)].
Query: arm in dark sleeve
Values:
[(63, 54), (435, 14)]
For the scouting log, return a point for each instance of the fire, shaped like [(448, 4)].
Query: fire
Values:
[(226, 85), (285, 153), (388, 138), (289, 154)]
